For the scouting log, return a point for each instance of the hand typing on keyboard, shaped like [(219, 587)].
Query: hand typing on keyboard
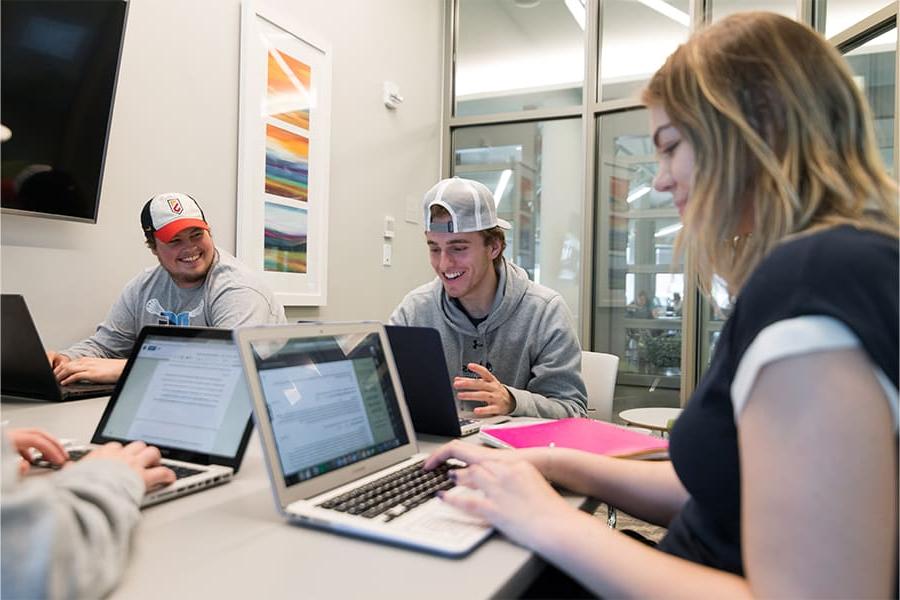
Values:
[(29, 442), (504, 489)]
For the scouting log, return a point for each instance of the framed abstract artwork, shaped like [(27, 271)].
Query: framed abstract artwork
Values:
[(284, 134)]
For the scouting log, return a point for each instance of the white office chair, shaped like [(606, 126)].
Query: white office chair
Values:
[(599, 372)]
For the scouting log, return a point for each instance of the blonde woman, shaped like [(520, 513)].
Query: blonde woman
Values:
[(783, 480)]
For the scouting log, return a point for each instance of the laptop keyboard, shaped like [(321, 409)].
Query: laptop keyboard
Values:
[(393, 494), (180, 471)]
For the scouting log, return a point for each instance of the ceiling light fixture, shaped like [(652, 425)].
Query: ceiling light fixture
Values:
[(668, 230), (639, 192), (501, 186), (576, 7), (664, 8)]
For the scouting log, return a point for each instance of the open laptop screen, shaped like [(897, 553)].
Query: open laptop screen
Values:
[(182, 393), (330, 401)]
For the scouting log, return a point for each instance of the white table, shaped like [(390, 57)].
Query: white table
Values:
[(229, 542), (656, 418)]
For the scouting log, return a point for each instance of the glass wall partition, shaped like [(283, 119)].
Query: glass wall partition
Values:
[(519, 120), (515, 55), (635, 40), (875, 66), (723, 8), (638, 289), (535, 171)]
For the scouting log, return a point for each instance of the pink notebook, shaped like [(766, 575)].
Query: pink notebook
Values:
[(589, 435)]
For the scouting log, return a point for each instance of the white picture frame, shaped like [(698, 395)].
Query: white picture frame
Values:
[(283, 155)]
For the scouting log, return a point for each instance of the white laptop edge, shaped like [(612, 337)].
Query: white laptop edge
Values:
[(292, 503), (244, 337)]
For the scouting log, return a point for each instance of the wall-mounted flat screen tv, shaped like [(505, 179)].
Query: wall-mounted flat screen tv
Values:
[(58, 65)]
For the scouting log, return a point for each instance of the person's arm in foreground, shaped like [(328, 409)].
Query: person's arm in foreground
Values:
[(68, 534), (819, 498)]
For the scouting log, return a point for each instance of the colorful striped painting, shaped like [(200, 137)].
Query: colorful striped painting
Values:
[(287, 164), (285, 239), (288, 97)]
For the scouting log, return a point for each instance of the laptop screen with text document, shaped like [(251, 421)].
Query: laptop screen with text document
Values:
[(329, 401), (183, 394)]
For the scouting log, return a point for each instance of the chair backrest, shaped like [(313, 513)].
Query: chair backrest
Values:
[(599, 372)]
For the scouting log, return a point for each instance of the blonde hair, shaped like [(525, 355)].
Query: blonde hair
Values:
[(780, 132)]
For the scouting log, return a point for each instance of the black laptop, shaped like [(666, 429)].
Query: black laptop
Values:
[(25, 371), (422, 367)]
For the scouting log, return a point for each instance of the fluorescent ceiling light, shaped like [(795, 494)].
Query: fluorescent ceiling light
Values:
[(664, 8), (668, 230), (576, 7), (501, 186), (640, 192)]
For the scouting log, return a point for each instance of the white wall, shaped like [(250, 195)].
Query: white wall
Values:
[(175, 128)]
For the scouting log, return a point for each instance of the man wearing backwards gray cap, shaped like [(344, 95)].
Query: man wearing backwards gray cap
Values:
[(195, 283), (509, 342)]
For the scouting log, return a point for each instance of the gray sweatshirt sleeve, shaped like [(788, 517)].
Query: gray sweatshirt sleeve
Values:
[(399, 316), (116, 335), (237, 306), (66, 535), (556, 389)]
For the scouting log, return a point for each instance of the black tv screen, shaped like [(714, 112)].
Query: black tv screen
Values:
[(59, 63)]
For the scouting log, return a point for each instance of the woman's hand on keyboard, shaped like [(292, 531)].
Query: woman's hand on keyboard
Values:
[(514, 497), (98, 370), (470, 454), (143, 459)]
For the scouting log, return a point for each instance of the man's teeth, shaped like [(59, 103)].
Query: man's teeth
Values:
[(190, 259), (453, 275)]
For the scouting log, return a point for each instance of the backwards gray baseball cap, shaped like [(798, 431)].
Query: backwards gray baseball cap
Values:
[(470, 204)]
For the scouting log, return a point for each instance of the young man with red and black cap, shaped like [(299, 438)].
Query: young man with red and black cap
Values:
[(509, 342), (195, 284)]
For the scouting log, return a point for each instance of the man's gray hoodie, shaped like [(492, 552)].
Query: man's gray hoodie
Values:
[(527, 341)]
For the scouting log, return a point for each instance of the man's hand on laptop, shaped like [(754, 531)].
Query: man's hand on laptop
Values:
[(57, 358), (143, 459), (497, 398), (89, 368)]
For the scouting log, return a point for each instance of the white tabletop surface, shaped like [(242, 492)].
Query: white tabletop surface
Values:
[(650, 417), (229, 541)]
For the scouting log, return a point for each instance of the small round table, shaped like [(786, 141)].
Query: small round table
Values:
[(656, 418)]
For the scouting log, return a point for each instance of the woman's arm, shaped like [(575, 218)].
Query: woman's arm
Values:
[(649, 490), (819, 504), (819, 479)]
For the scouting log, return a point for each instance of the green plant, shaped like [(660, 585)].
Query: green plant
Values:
[(662, 351)]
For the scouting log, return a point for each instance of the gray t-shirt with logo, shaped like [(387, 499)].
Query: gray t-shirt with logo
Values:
[(231, 296)]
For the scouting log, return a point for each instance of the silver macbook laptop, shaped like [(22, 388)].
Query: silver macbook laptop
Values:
[(183, 391), (338, 440)]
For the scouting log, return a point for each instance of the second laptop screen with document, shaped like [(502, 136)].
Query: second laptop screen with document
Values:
[(184, 393), (330, 400)]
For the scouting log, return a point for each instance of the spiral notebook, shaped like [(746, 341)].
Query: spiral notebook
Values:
[(589, 435)]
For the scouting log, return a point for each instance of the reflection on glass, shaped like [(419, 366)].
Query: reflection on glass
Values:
[(535, 171), (842, 14), (638, 291), (519, 55), (874, 64), (637, 37), (723, 8), (715, 310)]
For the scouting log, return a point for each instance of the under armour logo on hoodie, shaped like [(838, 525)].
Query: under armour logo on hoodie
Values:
[(476, 344)]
